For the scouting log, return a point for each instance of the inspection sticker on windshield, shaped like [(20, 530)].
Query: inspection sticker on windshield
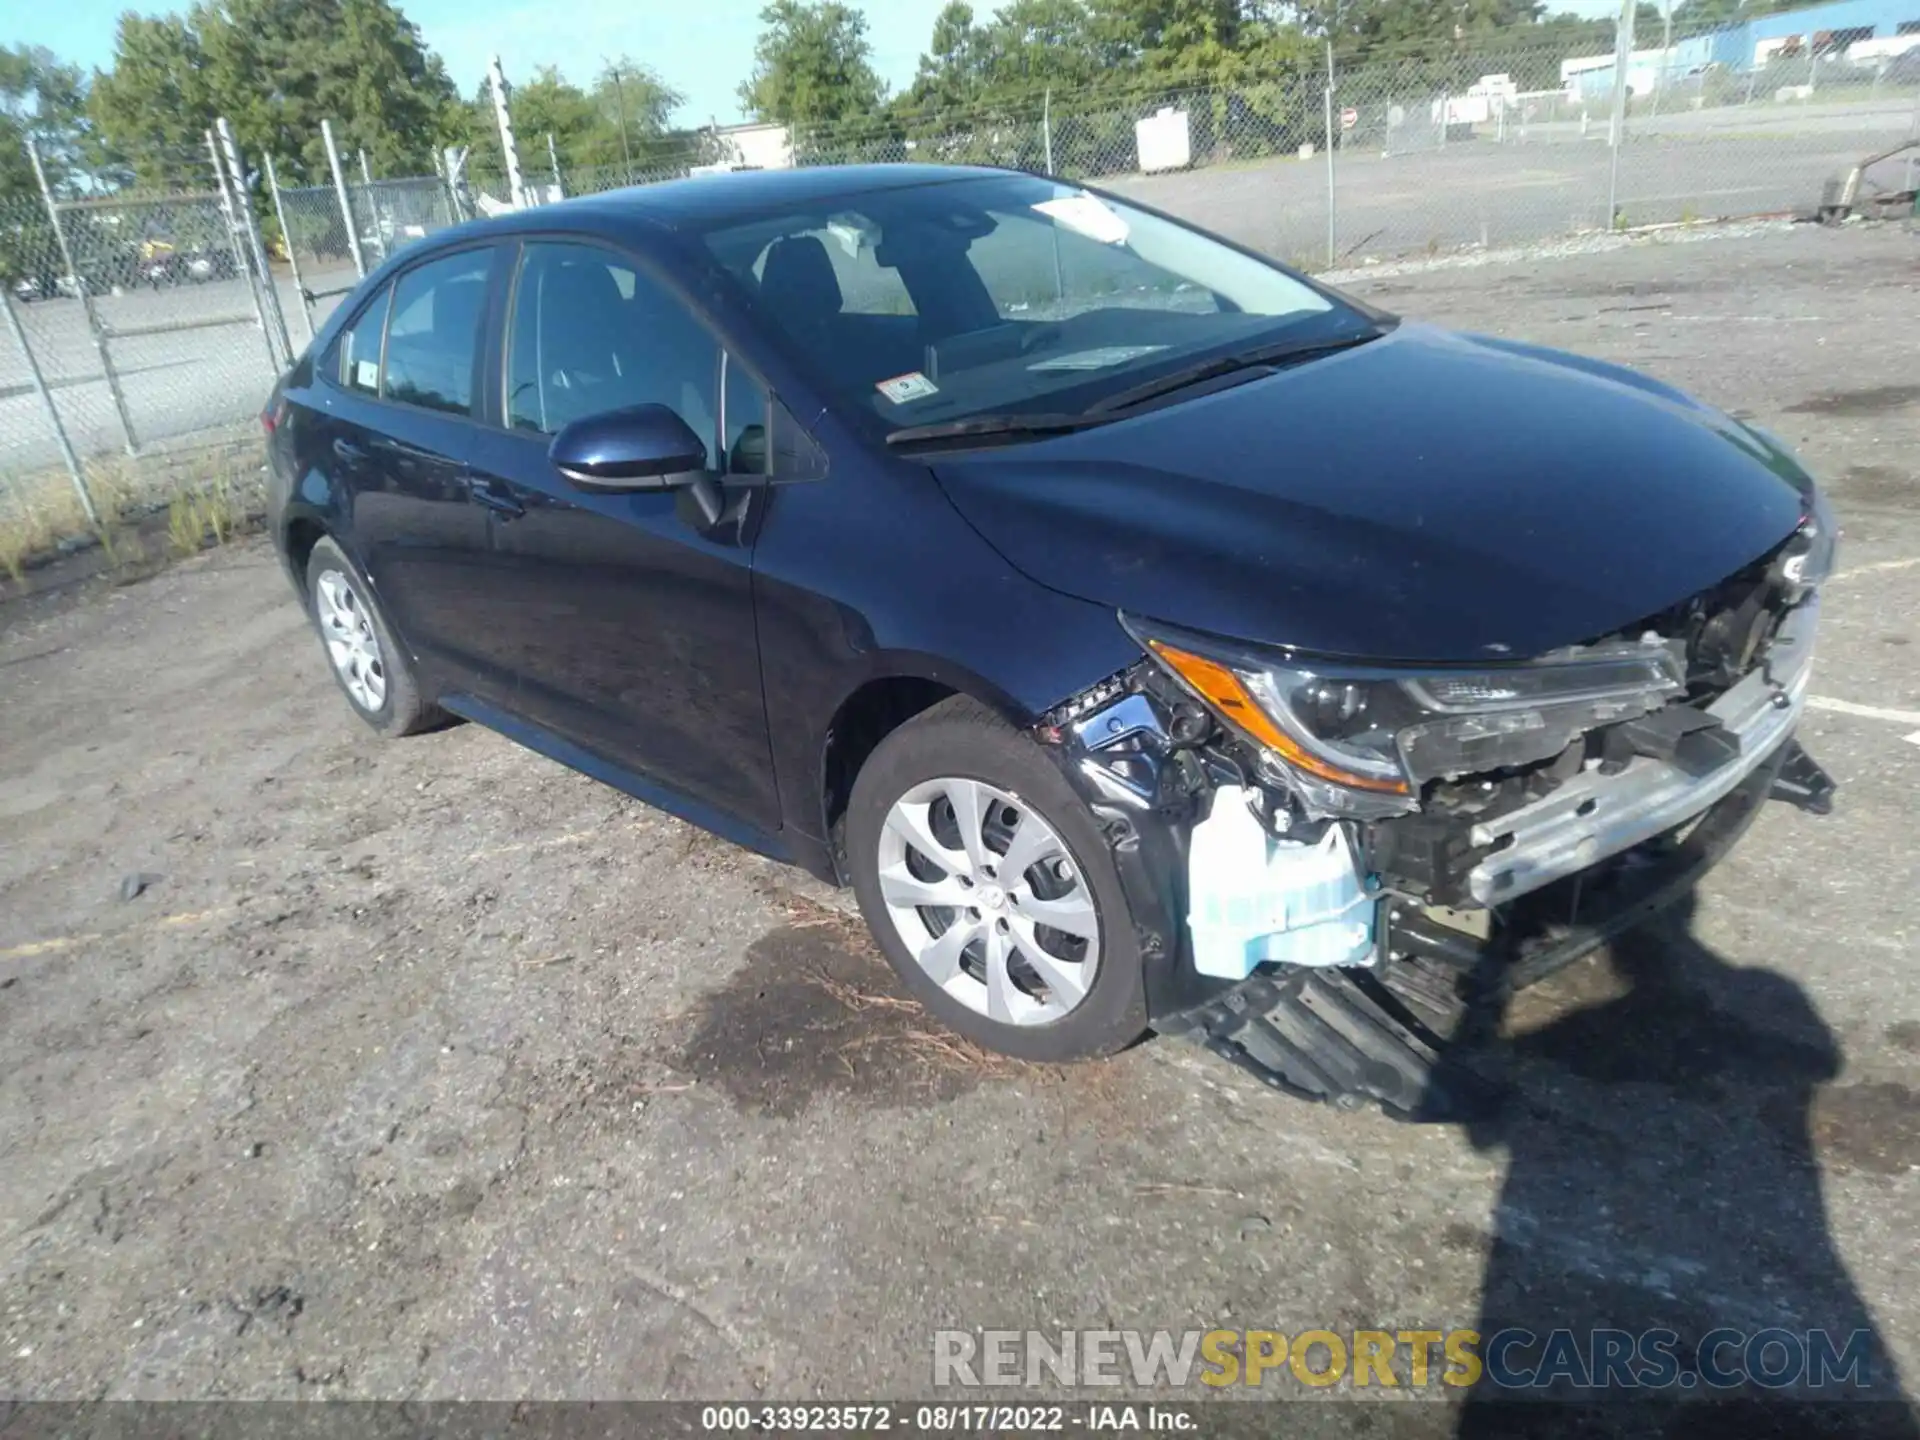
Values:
[(1099, 359), (912, 386)]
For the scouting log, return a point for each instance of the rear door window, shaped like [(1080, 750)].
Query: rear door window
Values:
[(435, 330), (360, 347)]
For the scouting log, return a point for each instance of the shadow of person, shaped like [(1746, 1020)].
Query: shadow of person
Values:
[(1662, 1190)]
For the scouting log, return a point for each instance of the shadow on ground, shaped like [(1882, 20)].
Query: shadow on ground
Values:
[(1685, 1236)]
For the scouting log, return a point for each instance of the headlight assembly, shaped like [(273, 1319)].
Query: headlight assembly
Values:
[(1361, 740)]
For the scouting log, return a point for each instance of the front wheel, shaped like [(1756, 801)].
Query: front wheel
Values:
[(989, 887)]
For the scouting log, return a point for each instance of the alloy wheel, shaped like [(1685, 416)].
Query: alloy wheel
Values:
[(989, 901), (352, 644)]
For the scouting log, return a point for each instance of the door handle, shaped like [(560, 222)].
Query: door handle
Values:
[(498, 501), (345, 449)]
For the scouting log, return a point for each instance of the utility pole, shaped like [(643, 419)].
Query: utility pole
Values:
[(1666, 56), (516, 187), (1617, 127), (620, 99), (1332, 229)]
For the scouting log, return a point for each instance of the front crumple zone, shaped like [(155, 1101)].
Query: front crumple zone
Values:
[(1492, 880)]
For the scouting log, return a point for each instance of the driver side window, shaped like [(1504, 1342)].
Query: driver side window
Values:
[(591, 334)]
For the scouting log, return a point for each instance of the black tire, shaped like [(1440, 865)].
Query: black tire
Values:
[(402, 710), (962, 738)]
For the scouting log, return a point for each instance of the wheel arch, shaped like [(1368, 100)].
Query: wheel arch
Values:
[(297, 539), (872, 710)]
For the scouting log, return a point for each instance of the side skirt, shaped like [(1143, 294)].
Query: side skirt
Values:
[(598, 767)]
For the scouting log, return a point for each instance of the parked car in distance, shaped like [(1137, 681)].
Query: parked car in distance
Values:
[(1151, 636)]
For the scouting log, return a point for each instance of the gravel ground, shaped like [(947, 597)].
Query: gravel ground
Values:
[(432, 1070)]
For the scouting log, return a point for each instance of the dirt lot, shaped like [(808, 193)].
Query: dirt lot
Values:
[(430, 1069)]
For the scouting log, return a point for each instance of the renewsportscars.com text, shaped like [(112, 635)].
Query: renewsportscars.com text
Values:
[(1513, 1359)]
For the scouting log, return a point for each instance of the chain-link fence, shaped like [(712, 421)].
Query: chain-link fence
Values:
[(142, 321), (1483, 144), (139, 319)]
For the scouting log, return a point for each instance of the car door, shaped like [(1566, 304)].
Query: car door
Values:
[(627, 618), (398, 436)]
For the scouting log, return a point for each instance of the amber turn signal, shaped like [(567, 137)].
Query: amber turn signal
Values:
[(1224, 690)]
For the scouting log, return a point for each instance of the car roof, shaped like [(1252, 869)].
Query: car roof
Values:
[(693, 203), (699, 201)]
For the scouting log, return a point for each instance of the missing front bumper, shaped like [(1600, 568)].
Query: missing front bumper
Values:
[(1406, 1033), (1595, 815)]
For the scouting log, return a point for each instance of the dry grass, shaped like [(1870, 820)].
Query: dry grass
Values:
[(907, 1031), (207, 496)]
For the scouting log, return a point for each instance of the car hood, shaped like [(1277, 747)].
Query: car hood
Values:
[(1429, 496)]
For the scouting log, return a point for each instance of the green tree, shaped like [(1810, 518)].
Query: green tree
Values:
[(636, 109), (275, 69), (624, 123), (812, 66), (154, 106), (43, 99)]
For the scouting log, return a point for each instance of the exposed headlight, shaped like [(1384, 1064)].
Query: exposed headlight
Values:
[(1808, 558), (1361, 740)]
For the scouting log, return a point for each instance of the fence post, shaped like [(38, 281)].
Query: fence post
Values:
[(293, 256), (243, 203), (454, 158), (516, 187), (240, 249), (1331, 211), (53, 415), (553, 159), (1914, 131), (1046, 127), (226, 210), (1617, 124), (1660, 71), (346, 205), (94, 327)]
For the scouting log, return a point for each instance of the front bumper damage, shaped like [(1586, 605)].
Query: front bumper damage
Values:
[(1474, 904), (1595, 815)]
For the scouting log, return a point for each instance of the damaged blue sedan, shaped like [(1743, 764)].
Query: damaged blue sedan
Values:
[(1151, 636)]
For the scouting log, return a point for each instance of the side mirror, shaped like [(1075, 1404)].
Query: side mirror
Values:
[(644, 447)]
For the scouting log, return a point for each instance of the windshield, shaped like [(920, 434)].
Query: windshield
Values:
[(1007, 295)]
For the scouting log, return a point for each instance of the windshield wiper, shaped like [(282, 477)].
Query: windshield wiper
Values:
[(1254, 362), (981, 426), (1264, 358)]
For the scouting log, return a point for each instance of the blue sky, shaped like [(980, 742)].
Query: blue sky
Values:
[(703, 48)]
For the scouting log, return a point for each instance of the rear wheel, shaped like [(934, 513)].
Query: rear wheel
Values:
[(369, 665), (988, 885)]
